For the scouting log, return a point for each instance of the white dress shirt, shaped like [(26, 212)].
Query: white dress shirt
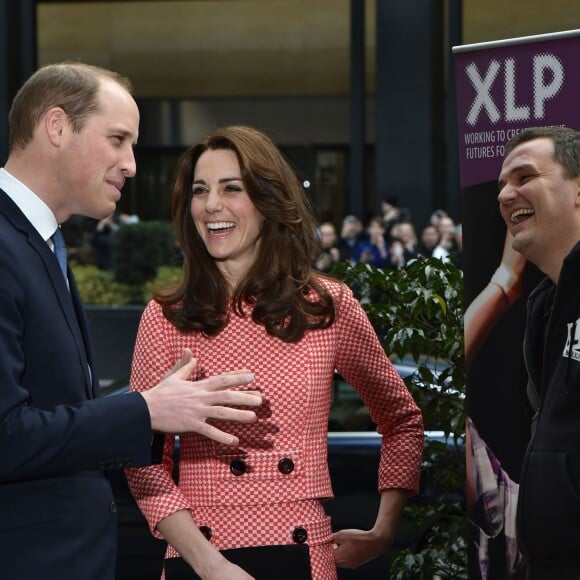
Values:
[(36, 211)]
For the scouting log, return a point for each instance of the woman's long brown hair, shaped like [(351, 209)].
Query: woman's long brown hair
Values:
[(287, 298)]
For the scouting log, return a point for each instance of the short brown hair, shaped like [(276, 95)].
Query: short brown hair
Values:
[(566, 146), (73, 86)]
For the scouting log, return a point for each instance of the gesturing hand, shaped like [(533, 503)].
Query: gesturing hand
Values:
[(178, 405)]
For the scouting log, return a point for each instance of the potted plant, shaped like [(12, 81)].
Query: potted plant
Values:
[(417, 312)]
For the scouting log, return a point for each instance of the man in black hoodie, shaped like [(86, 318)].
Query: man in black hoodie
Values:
[(539, 200)]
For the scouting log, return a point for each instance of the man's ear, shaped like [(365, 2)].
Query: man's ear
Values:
[(577, 186), (55, 121)]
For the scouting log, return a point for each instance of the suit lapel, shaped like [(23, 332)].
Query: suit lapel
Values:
[(86, 338), (66, 299), (69, 303)]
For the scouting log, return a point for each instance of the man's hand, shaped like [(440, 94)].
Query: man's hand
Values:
[(178, 405)]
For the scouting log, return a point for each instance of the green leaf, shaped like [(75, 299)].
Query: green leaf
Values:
[(418, 313)]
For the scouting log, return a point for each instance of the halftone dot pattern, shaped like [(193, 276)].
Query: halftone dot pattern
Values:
[(266, 501), (549, 82)]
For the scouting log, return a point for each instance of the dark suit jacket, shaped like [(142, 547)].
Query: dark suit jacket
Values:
[(57, 515)]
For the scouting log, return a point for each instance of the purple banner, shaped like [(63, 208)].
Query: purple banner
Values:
[(503, 87)]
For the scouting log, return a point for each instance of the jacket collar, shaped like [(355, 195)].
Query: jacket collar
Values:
[(20, 222)]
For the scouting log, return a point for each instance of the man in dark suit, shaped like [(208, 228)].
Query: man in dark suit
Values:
[(72, 132)]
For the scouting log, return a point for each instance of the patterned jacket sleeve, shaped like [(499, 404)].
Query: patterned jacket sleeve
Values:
[(153, 486), (364, 364)]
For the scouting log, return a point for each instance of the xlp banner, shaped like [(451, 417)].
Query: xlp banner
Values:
[(505, 86), (502, 88)]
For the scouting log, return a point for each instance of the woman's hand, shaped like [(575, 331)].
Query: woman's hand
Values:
[(208, 562), (353, 548), (223, 569)]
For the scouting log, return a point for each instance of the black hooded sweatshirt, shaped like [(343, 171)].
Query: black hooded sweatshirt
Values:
[(548, 518)]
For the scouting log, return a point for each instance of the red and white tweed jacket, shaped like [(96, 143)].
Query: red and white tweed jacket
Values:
[(284, 454)]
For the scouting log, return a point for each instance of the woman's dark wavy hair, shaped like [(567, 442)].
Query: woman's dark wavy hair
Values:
[(287, 298)]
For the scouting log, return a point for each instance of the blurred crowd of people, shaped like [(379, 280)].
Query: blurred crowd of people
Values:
[(389, 240)]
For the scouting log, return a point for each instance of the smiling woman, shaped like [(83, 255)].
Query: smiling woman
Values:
[(250, 298), (225, 217), (272, 244)]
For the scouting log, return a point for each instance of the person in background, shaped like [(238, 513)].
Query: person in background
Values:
[(376, 250), (449, 247), (499, 295), (102, 238), (491, 493), (351, 237), (393, 214), (390, 212), (249, 294), (396, 254), (72, 132), (329, 254), (405, 232), (429, 240), (437, 216), (458, 231)]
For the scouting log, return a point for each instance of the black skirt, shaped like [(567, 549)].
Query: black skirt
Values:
[(290, 562)]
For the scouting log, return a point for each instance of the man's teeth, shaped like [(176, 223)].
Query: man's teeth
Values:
[(220, 225), (519, 212)]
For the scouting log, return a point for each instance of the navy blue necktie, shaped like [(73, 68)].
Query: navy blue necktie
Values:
[(60, 251)]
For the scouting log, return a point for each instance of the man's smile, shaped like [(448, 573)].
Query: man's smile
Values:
[(520, 215)]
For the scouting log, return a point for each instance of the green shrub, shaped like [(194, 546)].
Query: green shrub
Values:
[(166, 276), (98, 287), (418, 311), (139, 249)]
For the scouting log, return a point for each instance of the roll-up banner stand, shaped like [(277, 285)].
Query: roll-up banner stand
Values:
[(502, 88)]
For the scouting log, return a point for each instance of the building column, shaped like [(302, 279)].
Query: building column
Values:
[(18, 57), (409, 128), (357, 111), (455, 38)]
